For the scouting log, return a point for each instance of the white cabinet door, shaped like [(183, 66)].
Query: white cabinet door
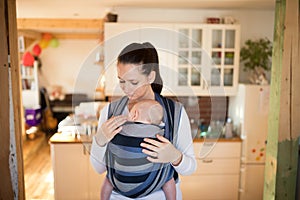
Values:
[(190, 60), (74, 176), (217, 174), (94, 179), (161, 36), (117, 36), (69, 162), (208, 59), (210, 187), (223, 48)]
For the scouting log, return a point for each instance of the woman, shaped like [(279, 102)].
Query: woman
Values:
[(138, 72)]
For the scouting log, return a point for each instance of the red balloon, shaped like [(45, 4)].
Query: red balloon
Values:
[(36, 50), (27, 59)]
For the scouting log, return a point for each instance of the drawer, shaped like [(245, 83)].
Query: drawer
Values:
[(207, 187), (217, 149), (218, 166)]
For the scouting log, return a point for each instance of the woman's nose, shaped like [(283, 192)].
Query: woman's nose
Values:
[(126, 89)]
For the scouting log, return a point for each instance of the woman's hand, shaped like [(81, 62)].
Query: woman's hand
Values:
[(109, 129), (161, 151)]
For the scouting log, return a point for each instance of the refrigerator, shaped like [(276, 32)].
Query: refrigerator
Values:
[(249, 112)]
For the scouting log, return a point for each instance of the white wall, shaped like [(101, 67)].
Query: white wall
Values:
[(70, 65), (63, 64)]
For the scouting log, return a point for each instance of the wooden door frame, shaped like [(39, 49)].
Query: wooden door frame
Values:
[(11, 158)]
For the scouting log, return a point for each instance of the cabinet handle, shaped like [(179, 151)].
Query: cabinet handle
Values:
[(207, 161), (209, 144), (84, 150)]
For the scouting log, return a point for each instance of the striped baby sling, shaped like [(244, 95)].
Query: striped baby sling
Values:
[(143, 177)]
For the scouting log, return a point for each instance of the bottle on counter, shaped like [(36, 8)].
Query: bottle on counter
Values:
[(228, 128)]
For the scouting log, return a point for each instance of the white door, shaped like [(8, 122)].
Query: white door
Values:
[(252, 182), (255, 125)]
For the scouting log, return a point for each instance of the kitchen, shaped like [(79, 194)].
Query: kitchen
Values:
[(72, 53)]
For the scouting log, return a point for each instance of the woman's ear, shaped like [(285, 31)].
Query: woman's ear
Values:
[(151, 77)]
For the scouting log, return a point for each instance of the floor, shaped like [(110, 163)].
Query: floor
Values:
[(38, 174)]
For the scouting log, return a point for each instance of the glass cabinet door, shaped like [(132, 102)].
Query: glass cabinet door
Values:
[(223, 52), (190, 41)]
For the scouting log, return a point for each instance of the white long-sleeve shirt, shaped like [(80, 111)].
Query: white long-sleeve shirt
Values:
[(184, 144)]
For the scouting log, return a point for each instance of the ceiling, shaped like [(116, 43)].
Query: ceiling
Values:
[(61, 10), (98, 8)]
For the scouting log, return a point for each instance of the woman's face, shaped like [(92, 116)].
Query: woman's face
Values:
[(133, 83)]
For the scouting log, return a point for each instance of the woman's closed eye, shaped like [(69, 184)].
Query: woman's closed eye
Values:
[(134, 82), (131, 82)]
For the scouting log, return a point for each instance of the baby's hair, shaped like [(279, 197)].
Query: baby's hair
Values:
[(150, 110)]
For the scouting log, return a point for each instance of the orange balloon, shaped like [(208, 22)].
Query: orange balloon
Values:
[(44, 44), (47, 36)]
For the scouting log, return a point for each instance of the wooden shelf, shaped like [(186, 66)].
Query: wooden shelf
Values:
[(62, 28)]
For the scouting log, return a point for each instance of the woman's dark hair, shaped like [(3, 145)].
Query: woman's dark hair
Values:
[(145, 54)]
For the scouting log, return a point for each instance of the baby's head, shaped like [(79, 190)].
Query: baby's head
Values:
[(147, 111)]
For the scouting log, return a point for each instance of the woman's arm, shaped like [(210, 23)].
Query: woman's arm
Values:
[(184, 144), (97, 151), (107, 129)]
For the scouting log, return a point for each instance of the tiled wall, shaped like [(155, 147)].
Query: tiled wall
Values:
[(205, 108), (202, 109)]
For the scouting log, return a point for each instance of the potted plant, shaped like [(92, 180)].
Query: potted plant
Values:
[(256, 56)]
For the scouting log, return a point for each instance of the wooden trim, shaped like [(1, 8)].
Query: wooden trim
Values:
[(32, 23), (78, 36), (16, 92), (6, 191), (283, 128), (61, 28), (35, 35)]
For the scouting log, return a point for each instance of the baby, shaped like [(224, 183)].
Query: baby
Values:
[(146, 113)]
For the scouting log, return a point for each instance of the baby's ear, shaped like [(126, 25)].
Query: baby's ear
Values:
[(133, 115)]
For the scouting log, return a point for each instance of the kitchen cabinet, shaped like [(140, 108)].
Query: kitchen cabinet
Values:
[(190, 59), (195, 59), (74, 177), (207, 60), (224, 51), (217, 174)]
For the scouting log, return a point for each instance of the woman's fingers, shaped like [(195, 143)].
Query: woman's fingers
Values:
[(118, 130), (149, 146), (116, 121), (163, 139), (149, 153), (154, 160), (153, 142)]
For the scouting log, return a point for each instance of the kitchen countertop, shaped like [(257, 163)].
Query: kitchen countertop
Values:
[(234, 139), (68, 138)]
